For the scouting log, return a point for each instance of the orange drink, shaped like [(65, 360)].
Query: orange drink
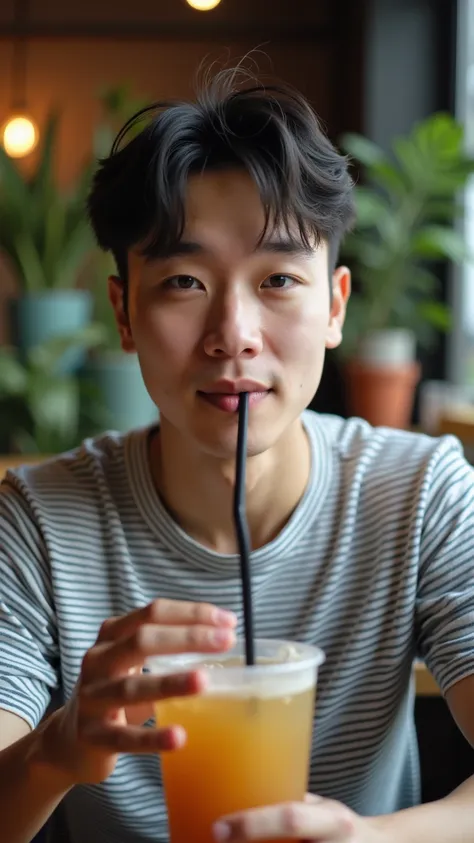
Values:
[(248, 735)]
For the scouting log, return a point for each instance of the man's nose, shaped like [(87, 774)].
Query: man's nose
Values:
[(234, 328)]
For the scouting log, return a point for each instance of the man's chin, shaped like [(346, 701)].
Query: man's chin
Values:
[(220, 440), (215, 434), (223, 448)]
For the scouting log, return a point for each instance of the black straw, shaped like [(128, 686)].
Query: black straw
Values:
[(241, 527)]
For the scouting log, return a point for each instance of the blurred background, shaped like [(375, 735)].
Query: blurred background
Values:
[(393, 83)]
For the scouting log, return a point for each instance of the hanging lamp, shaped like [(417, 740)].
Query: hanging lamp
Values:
[(19, 133), (203, 5)]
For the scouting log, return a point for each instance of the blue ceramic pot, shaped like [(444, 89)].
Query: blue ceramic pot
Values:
[(118, 379), (36, 318)]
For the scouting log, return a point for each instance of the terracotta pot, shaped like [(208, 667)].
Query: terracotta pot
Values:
[(383, 395)]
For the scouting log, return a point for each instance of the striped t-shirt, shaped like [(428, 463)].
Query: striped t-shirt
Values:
[(375, 565)]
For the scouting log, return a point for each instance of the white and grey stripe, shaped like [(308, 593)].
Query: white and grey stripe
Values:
[(376, 565)]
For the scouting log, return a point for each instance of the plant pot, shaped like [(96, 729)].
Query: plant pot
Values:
[(382, 380), (389, 348), (118, 379), (37, 318)]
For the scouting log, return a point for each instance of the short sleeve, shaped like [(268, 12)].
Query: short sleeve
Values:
[(445, 593), (28, 631)]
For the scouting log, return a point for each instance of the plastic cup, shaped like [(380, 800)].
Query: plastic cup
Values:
[(248, 734)]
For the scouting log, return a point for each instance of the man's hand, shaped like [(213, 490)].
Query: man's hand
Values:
[(81, 741), (317, 820)]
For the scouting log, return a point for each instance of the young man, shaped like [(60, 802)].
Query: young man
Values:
[(225, 218)]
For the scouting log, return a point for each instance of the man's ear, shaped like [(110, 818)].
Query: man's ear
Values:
[(341, 290), (116, 298)]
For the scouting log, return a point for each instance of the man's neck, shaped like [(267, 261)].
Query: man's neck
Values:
[(198, 490)]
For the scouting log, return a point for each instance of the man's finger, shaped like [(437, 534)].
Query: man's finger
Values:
[(102, 697), (166, 612), (312, 798), (151, 640), (109, 659), (323, 822), (134, 739)]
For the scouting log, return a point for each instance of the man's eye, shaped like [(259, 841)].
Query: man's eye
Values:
[(182, 282), (279, 282)]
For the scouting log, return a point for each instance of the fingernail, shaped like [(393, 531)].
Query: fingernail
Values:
[(179, 737), (173, 737), (221, 831), (221, 637), (222, 616)]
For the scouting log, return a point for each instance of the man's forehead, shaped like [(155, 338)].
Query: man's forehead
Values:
[(223, 215), (226, 204)]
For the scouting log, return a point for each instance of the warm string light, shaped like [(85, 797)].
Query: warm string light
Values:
[(203, 5), (19, 136)]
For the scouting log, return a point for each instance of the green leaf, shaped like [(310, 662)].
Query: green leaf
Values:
[(439, 242), (436, 314), (370, 207), (412, 162), (441, 210), (75, 251), (13, 376), (43, 179), (390, 178), (54, 406), (46, 357), (363, 150), (29, 262), (94, 416), (14, 193), (368, 252), (440, 135), (54, 227), (356, 325), (422, 282), (44, 229)]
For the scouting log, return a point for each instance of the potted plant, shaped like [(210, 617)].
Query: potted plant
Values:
[(43, 409), (115, 374), (46, 237), (405, 222)]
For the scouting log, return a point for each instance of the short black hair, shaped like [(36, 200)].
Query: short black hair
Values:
[(138, 192)]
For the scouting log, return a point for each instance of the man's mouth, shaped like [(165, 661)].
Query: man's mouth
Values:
[(228, 402)]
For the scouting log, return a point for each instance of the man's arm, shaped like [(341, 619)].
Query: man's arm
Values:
[(29, 790), (449, 820), (12, 728), (460, 698)]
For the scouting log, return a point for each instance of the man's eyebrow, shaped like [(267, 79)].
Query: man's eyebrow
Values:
[(273, 245), (183, 247), (286, 246)]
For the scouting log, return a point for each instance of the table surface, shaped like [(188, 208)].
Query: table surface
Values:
[(425, 683)]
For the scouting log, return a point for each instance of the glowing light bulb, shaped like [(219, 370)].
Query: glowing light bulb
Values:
[(19, 136), (203, 5)]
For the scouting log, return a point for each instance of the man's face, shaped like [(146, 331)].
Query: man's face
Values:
[(226, 315)]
